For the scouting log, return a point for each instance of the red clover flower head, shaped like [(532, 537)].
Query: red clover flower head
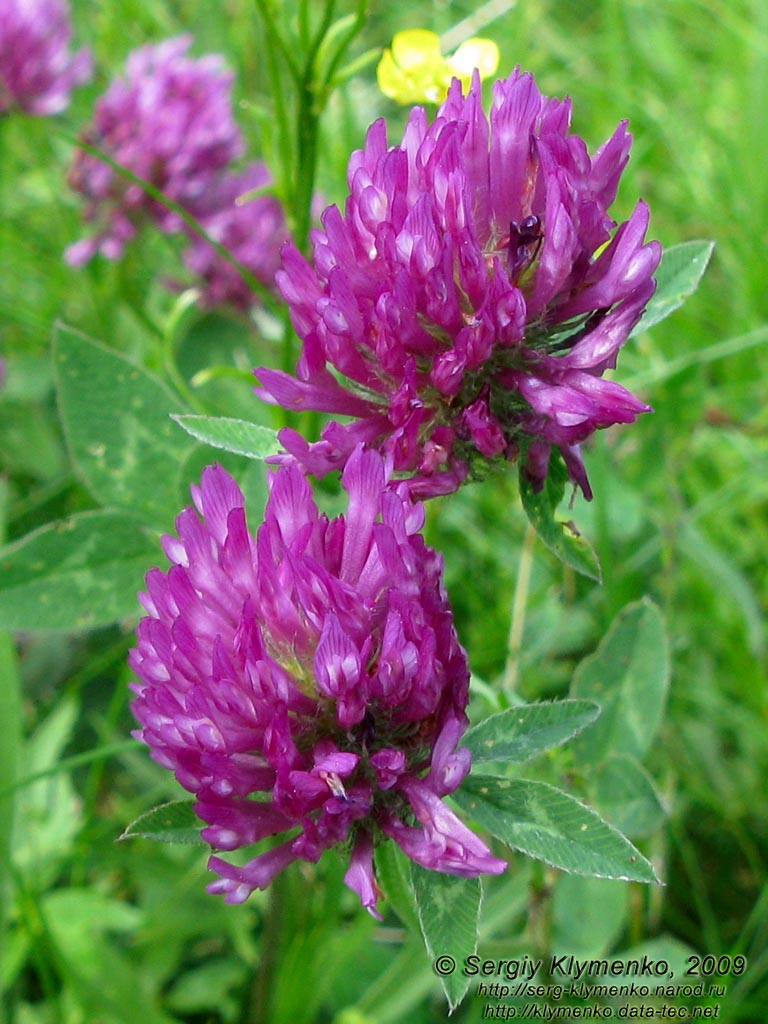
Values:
[(168, 121), (37, 71), (465, 304), (308, 680), (252, 231)]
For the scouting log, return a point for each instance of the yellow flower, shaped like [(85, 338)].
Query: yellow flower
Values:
[(415, 71)]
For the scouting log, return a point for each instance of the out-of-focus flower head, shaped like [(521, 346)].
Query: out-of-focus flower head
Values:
[(37, 71), (252, 229), (415, 71), (168, 121), (470, 296), (308, 681)]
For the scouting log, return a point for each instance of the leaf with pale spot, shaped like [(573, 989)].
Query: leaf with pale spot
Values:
[(117, 423), (548, 824), (448, 908), (77, 573), (518, 734), (394, 877)]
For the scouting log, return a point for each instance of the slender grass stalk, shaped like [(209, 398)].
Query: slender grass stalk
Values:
[(284, 133), (307, 129), (345, 41), (10, 753), (10, 748), (285, 51), (756, 338), (475, 22), (186, 302), (259, 1010), (159, 196), (66, 764), (43, 948), (517, 619)]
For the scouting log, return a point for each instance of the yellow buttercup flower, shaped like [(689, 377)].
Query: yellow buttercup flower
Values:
[(482, 54), (415, 71)]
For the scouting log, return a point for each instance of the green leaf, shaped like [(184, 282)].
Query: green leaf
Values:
[(87, 914), (560, 536), (116, 419), (663, 947), (732, 585), (552, 826), (680, 271), (212, 987), (11, 715), (238, 436), (48, 813), (449, 908), (77, 573), (393, 874), (623, 791), (79, 935), (174, 822), (10, 759), (628, 676), (30, 441), (518, 734), (588, 914)]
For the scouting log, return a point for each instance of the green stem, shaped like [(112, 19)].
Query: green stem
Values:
[(43, 949), (172, 327), (345, 42), (10, 716), (93, 785), (159, 196), (540, 910), (76, 761), (304, 23), (285, 149), (169, 365), (307, 127), (271, 942), (277, 40), (10, 752), (517, 618), (306, 142)]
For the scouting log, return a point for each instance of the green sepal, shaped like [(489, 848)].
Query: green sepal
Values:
[(174, 822), (561, 536)]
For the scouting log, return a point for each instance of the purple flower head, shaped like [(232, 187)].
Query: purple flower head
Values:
[(308, 680), (168, 121), (37, 71), (470, 295), (252, 231)]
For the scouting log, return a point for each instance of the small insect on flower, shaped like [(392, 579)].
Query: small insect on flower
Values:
[(462, 306), (524, 244)]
